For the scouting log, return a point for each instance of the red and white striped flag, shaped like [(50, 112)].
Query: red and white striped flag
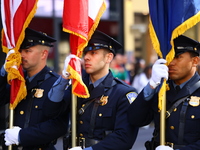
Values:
[(80, 19), (16, 16)]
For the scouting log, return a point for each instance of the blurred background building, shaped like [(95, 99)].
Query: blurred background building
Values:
[(125, 20)]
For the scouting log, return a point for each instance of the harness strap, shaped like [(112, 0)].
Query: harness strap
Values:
[(92, 120), (182, 122)]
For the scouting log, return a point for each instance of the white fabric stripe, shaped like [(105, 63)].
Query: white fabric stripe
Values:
[(13, 9), (4, 23), (94, 6)]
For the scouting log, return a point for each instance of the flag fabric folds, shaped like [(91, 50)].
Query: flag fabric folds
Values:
[(16, 16), (168, 20), (80, 19)]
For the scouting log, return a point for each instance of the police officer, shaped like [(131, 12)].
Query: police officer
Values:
[(102, 118), (33, 130), (182, 99)]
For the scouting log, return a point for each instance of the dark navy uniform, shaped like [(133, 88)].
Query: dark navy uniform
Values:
[(183, 123), (106, 124), (102, 118), (38, 130), (149, 111)]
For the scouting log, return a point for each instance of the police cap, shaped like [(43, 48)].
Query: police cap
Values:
[(101, 40), (185, 44), (33, 38)]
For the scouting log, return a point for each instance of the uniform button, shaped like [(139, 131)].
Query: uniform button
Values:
[(175, 109), (36, 106), (100, 115), (21, 112), (81, 135), (83, 105), (172, 127), (81, 122), (192, 116)]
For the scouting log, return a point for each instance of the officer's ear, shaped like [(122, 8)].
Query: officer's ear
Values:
[(45, 53), (195, 61), (109, 57)]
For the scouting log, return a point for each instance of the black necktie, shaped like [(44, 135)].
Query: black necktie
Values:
[(178, 88), (91, 87)]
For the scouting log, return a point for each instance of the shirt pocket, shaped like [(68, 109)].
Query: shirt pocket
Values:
[(37, 114), (105, 116), (192, 122)]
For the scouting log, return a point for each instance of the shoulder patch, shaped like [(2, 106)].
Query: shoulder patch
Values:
[(131, 96)]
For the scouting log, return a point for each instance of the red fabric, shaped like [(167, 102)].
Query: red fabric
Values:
[(77, 21), (16, 16)]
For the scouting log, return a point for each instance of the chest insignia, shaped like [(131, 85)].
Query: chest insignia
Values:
[(103, 100), (194, 101), (38, 93)]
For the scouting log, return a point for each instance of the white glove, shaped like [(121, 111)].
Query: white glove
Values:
[(76, 148), (159, 71), (7, 55), (162, 147), (11, 136), (67, 60)]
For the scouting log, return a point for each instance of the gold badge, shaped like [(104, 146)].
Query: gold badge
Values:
[(103, 100), (194, 101), (38, 93)]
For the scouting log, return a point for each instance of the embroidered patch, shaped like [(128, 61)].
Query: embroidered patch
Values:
[(131, 96)]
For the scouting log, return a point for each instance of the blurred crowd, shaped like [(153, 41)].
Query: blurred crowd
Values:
[(136, 73)]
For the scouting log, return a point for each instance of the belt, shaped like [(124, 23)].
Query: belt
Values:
[(83, 142)]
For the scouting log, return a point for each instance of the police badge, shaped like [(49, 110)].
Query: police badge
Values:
[(38, 93), (103, 100), (194, 101)]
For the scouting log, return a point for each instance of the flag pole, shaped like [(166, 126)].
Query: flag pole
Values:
[(11, 118), (163, 116), (73, 123)]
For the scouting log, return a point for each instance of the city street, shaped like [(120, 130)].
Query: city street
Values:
[(144, 134)]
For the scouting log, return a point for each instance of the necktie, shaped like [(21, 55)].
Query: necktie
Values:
[(91, 87), (178, 88)]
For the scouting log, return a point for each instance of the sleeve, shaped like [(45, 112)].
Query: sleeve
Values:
[(4, 88), (88, 148), (44, 132), (123, 135), (56, 93), (148, 92), (140, 112)]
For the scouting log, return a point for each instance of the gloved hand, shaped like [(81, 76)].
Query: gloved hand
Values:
[(162, 147), (67, 60), (7, 55), (11, 136), (76, 148), (159, 71)]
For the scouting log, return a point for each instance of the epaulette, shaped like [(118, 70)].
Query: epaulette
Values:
[(52, 73), (122, 82)]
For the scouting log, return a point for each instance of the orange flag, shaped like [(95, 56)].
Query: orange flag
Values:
[(80, 19)]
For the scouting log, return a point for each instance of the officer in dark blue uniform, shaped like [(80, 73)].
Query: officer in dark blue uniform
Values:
[(33, 130), (182, 99), (102, 118)]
